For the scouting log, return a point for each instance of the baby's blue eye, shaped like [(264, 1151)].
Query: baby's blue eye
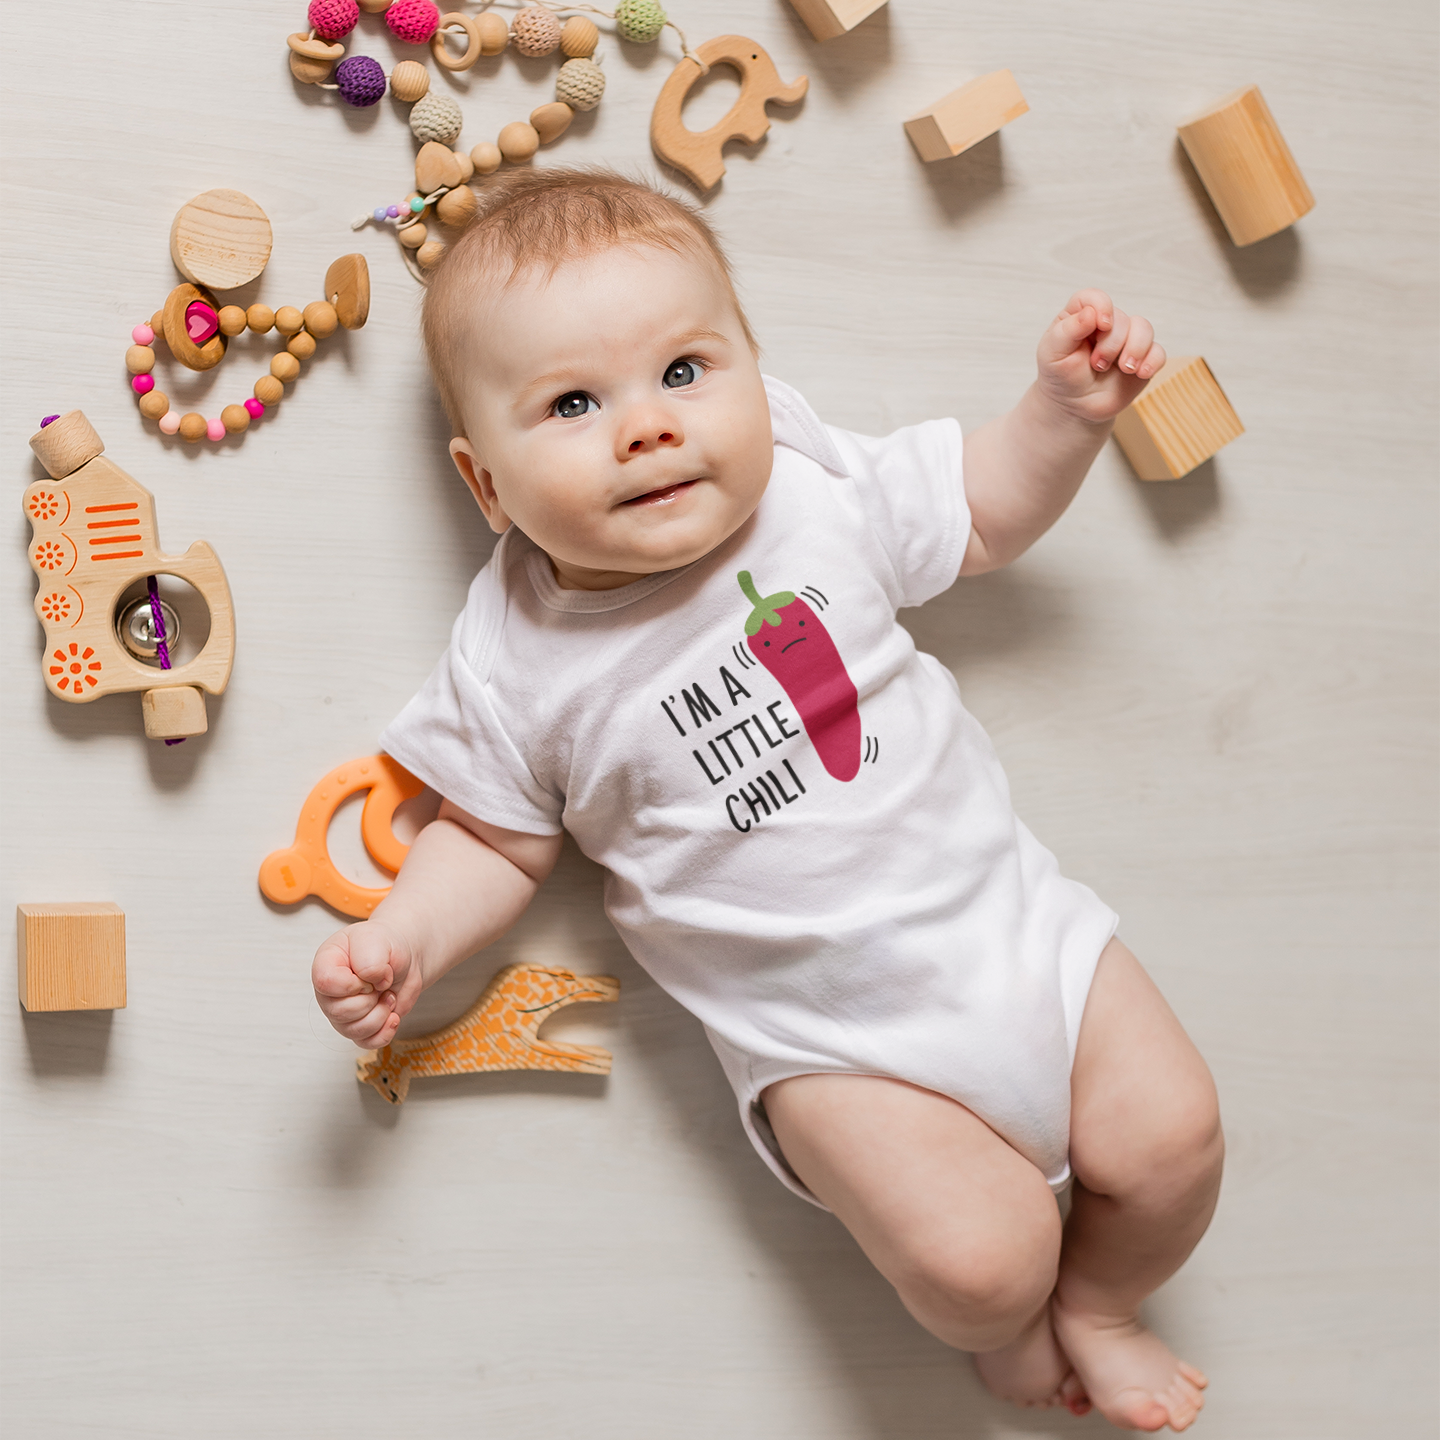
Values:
[(573, 405), (682, 372)]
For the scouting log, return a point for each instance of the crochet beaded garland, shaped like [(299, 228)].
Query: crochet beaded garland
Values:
[(537, 30)]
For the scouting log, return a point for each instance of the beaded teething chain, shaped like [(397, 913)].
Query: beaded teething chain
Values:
[(436, 120)]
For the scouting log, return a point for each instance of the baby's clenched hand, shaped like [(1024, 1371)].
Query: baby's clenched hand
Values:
[(366, 979), (1095, 359)]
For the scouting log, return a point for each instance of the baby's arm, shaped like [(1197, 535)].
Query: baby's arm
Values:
[(1023, 469), (464, 884)]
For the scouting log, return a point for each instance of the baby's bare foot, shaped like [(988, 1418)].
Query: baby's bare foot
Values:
[(1129, 1372), (1032, 1371)]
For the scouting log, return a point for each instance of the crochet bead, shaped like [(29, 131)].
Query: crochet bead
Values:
[(143, 335), (268, 390), (486, 158), (260, 318), (301, 345), (192, 427), (413, 21), (255, 408), (232, 320), (169, 423), (360, 80), (409, 81), (139, 359), (215, 429), (518, 141), (435, 117), (233, 419), (579, 37), (494, 32), (320, 318), (580, 84), (638, 21), (333, 19), (154, 405), (143, 384), (535, 31)]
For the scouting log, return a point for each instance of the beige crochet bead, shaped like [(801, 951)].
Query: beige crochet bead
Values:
[(579, 37), (580, 84), (486, 158), (535, 31), (409, 81), (518, 141), (430, 253), (494, 32), (436, 117)]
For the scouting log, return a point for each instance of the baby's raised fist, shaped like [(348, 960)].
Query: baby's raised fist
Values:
[(1095, 359), (365, 980)]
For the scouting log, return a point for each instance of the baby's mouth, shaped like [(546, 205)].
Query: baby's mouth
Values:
[(660, 496)]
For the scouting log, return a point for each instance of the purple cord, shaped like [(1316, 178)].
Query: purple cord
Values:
[(161, 648)]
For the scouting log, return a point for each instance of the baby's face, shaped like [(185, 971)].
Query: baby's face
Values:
[(615, 413)]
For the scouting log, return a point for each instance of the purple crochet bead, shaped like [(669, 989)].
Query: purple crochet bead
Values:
[(360, 79)]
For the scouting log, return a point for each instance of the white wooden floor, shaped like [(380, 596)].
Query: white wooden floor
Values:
[(1215, 699)]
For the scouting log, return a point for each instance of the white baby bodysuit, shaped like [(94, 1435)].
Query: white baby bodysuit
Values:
[(809, 840)]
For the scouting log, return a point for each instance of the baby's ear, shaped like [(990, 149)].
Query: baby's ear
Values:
[(479, 481)]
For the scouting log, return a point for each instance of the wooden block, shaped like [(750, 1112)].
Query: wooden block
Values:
[(71, 957), (221, 239), (498, 1032), (826, 19), (1247, 168), (64, 445), (174, 712), (966, 116), (1180, 421)]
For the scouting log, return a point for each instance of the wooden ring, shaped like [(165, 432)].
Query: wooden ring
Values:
[(441, 51), (312, 49), (177, 337)]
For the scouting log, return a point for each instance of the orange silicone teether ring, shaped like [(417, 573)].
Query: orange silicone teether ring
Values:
[(288, 876)]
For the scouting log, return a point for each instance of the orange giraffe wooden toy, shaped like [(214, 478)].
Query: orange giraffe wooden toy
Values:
[(697, 154), (496, 1033), (94, 536), (288, 876)]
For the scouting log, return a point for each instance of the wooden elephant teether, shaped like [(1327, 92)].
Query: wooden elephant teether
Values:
[(496, 1033), (288, 876), (93, 537), (697, 154)]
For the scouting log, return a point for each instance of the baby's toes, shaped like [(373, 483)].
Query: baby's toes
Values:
[(1072, 1395), (1183, 1402), (1194, 1376)]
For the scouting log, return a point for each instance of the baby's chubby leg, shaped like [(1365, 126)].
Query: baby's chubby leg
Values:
[(1146, 1148), (964, 1227)]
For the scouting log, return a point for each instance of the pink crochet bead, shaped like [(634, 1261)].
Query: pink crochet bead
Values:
[(215, 429), (143, 384), (255, 408), (413, 21), (143, 335), (333, 19), (170, 422)]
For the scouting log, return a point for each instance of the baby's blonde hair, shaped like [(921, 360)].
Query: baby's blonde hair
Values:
[(539, 219)]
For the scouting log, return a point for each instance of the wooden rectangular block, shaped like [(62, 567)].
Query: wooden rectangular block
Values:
[(828, 18), (1180, 421), (1244, 163), (71, 957), (173, 712), (966, 116)]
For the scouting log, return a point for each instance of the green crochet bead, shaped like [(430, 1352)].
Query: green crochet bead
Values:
[(639, 21)]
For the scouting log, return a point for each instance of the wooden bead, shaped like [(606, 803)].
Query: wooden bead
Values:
[(260, 318), (494, 32), (413, 236), (430, 253), (456, 206), (235, 418), (347, 288), (157, 321), (409, 81), (193, 427), (320, 318), (284, 367), (308, 71), (551, 121), (374, 7), (139, 359), (445, 57), (268, 390), (154, 405), (232, 319), (288, 320), (518, 141), (436, 168), (301, 346), (486, 157), (578, 37), (467, 165)]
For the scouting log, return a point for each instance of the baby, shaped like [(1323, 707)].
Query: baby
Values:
[(684, 651)]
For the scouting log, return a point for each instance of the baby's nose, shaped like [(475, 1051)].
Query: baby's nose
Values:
[(650, 428)]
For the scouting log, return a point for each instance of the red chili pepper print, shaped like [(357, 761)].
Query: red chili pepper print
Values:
[(791, 642)]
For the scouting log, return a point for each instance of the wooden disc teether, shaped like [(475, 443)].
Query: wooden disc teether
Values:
[(697, 154), (288, 876), (221, 238)]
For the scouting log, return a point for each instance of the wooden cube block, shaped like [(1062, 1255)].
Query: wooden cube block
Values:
[(966, 116), (1247, 168), (1180, 421), (71, 957), (174, 712), (828, 18)]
